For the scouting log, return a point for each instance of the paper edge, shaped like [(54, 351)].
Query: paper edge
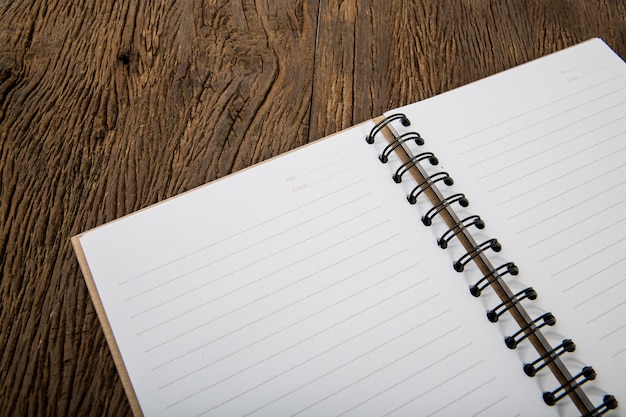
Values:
[(106, 327), (355, 126)]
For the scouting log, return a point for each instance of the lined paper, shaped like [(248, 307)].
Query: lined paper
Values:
[(307, 285), (303, 286), (549, 174)]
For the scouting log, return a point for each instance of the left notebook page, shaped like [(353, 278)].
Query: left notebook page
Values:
[(301, 286)]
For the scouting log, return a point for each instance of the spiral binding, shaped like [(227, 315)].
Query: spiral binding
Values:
[(427, 219), (493, 276), (380, 125), (546, 319), (586, 374), (428, 183), (461, 225), (492, 244), (609, 402), (460, 229), (384, 156), (494, 314), (397, 177), (566, 345)]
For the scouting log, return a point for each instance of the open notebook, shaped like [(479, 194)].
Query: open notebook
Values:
[(310, 285)]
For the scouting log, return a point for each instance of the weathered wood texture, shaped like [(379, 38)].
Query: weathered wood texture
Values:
[(110, 106)]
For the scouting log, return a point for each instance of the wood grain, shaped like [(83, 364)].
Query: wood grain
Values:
[(398, 52), (109, 106)]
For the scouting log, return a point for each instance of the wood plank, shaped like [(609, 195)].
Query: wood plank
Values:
[(397, 52), (106, 108)]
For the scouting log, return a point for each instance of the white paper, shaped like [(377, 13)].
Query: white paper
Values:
[(303, 286), (540, 151)]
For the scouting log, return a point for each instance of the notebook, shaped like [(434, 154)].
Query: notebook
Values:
[(462, 255)]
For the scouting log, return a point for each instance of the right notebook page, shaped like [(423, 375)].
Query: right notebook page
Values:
[(539, 151)]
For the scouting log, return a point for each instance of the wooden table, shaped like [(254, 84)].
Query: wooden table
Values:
[(107, 107)]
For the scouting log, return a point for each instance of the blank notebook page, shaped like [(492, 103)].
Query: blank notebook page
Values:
[(540, 152), (305, 285)]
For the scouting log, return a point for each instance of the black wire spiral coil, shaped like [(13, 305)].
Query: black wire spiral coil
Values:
[(461, 227)]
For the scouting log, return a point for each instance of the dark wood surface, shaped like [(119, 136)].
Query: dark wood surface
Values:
[(109, 106)]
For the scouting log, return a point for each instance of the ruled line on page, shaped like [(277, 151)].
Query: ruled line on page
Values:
[(383, 280), (171, 339), (586, 258), (553, 179), (329, 177), (566, 141), (595, 274), (596, 295), (337, 282), (570, 225), (620, 352), (534, 109), (581, 240), (320, 354), (522, 145), (308, 383), (319, 168), (395, 360), (291, 325), (171, 360), (588, 73), (291, 227), (441, 383), (509, 200), (490, 405), (553, 118), (541, 121), (457, 399), (249, 264), (240, 232), (318, 378), (465, 395), (606, 312), (585, 65), (533, 225), (613, 332)]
